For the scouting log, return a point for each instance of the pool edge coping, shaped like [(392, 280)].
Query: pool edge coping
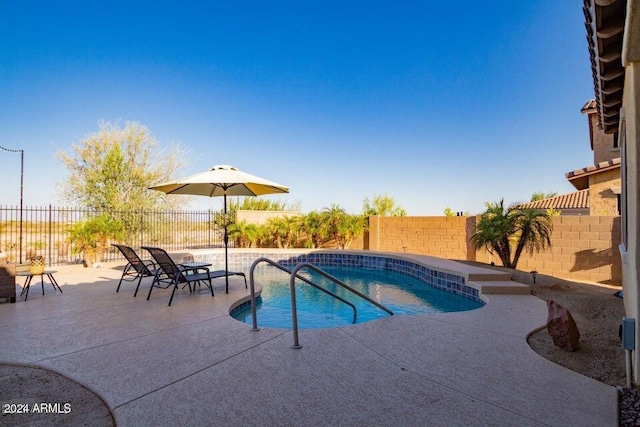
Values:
[(486, 281)]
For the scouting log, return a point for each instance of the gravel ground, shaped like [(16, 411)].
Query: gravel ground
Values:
[(38, 397), (629, 403)]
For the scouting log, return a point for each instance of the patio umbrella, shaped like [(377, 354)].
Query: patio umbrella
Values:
[(222, 180)]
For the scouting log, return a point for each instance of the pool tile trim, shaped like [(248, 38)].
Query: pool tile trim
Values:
[(444, 280)]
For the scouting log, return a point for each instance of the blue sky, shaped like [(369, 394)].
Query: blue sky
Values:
[(433, 103)]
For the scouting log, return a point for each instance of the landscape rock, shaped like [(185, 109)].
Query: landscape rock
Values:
[(562, 327)]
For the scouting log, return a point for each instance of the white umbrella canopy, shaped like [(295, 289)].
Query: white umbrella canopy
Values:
[(222, 180)]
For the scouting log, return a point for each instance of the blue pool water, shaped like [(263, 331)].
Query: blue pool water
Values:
[(400, 293)]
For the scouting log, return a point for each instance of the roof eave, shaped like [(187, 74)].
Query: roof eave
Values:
[(580, 182), (579, 178), (605, 25)]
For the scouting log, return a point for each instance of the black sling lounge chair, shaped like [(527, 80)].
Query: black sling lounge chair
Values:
[(136, 268), (173, 275)]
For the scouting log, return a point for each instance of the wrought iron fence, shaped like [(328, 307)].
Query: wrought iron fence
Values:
[(45, 231)]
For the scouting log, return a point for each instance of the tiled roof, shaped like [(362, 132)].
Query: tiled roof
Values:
[(575, 200), (594, 168), (579, 177)]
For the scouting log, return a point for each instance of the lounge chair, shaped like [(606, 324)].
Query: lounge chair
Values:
[(172, 275), (136, 268)]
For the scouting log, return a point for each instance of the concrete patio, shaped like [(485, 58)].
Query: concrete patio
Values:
[(192, 364)]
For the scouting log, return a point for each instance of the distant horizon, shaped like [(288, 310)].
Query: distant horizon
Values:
[(288, 208), (434, 105)]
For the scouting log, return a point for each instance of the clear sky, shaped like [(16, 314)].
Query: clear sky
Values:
[(433, 103)]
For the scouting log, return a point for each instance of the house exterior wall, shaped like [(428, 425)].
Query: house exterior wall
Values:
[(603, 149), (602, 199), (630, 249), (603, 20), (570, 212)]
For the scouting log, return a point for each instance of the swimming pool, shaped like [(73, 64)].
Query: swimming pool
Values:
[(401, 293)]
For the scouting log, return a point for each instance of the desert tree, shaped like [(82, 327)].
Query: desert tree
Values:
[(382, 205), (540, 195), (259, 204), (113, 168)]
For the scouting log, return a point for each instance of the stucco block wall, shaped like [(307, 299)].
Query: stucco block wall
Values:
[(583, 247), (602, 142), (602, 199), (261, 217)]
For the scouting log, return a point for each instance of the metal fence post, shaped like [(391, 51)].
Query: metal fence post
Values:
[(50, 235), (21, 191)]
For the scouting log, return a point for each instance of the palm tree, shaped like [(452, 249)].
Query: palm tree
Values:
[(333, 216), (313, 227), (283, 230), (349, 228), (292, 227), (493, 231), (244, 233), (276, 229), (534, 230), (500, 227)]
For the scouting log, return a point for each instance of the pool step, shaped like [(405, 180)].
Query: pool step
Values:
[(501, 287)]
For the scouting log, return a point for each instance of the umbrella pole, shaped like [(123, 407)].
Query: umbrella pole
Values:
[(226, 244)]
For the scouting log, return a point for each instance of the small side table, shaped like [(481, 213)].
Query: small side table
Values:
[(193, 266), (29, 277)]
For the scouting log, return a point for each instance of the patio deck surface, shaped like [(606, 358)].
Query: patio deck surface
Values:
[(192, 364)]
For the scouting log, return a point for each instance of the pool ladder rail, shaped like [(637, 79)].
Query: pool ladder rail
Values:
[(293, 276)]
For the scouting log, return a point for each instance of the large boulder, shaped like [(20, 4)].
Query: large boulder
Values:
[(562, 327)]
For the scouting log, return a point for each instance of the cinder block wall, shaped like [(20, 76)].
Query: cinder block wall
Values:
[(440, 236), (583, 247), (358, 243)]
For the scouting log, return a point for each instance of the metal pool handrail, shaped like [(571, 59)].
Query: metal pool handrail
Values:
[(294, 315), (286, 270)]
